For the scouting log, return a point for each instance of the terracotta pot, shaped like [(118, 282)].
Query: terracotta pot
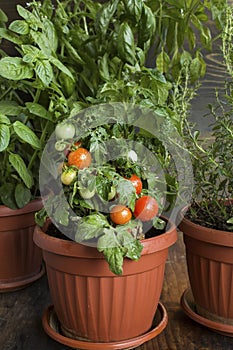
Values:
[(21, 259), (209, 255), (94, 304)]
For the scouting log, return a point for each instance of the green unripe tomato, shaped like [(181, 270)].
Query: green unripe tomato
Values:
[(65, 131), (112, 193), (68, 176), (85, 193)]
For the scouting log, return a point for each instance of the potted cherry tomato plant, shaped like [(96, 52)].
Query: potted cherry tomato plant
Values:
[(208, 224), (105, 236)]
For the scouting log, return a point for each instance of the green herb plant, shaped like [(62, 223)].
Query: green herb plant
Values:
[(212, 158), (68, 57)]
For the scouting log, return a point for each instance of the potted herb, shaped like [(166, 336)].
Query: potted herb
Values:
[(26, 121), (208, 224)]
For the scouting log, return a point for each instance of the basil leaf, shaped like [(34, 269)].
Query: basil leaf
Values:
[(22, 195), (104, 16), (18, 164), (50, 34), (147, 26), (162, 62), (26, 134), (8, 35), (14, 68), (61, 66), (4, 119), (103, 67), (44, 71), (4, 136), (125, 43), (39, 110), (10, 108), (134, 8), (7, 195), (19, 27), (29, 17)]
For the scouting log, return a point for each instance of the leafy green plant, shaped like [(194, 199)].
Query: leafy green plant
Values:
[(104, 205), (79, 53), (212, 158)]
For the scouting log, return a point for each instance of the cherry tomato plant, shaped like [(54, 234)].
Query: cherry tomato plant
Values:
[(111, 197)]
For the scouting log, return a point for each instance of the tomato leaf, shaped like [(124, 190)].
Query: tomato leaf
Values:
[(113, 252), (18, 164), (4, 136), (126, 193), (91, 226), (26, 134)]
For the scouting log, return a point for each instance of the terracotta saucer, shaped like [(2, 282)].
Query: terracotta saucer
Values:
[(21, 283), (188, 305), (52, 328)]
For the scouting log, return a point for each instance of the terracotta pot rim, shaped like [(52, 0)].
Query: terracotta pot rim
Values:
[(206, 234), (34, 205), (71, 248)]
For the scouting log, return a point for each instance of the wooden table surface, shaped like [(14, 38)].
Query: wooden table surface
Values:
[(21, 313)]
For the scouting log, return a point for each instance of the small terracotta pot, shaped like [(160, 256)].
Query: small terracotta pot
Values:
[(94, 304), (21, 259), (209, 255)]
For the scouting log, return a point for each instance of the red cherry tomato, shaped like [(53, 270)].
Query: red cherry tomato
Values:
[(136, 182), (81, 158), (120, 214), (146, 208)]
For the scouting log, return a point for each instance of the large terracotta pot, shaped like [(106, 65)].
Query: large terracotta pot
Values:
[(21, 259), (91, 302), (209, 255)]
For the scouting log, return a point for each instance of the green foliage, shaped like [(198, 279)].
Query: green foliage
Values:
[(212, 158)]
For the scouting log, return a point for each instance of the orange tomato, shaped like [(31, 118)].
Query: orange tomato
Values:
[(120, 214), (81, 158), (136, 182)]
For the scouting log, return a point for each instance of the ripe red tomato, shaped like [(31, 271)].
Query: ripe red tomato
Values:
[(120, 214), (146, 208), (81, 158), (136, 182)]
